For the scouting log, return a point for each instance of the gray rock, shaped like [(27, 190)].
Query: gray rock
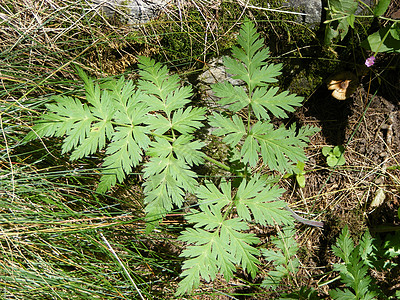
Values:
[(214, 74), (311, 8), (217, 73), (132, 11)]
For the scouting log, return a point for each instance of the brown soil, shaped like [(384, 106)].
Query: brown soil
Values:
[(368, 125)]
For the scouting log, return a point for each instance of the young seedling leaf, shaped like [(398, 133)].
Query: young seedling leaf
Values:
[(301, 180), (338, 151)]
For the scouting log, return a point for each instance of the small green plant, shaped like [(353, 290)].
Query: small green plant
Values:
[(284, 259), (299, 174), (353, 271), (341, 16), (370, 253), (154, 118), (334, 156)]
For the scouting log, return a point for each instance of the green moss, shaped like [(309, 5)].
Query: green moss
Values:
[(190, 38)]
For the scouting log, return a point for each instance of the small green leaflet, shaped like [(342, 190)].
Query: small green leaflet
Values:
[(220, 238), (233, 129), (263, 101), (203, 262), (217, 251), (188, 151), (344, 245), (251, 56), (68, 116), (279, 148), (248, 65), (262, 201), (234, 96), (209, 194), (188, 120), (99, 131), (169, 178), (164, 93), (343, 6), (155, 81), (123, 154)]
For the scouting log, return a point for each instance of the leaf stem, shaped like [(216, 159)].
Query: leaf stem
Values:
[(164, 137), (216, 162), (367, 6), (383, 39)]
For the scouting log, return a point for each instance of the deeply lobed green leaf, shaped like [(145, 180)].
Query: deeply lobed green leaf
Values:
[(255, 199), (344, 245), (354, 271), (284, 259), (163, 91), (279, 148), (221, 243)]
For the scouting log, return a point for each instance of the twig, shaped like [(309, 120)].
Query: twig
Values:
[(271, 9), (303, 220)]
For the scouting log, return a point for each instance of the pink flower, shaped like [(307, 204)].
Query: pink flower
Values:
[(370, 61)]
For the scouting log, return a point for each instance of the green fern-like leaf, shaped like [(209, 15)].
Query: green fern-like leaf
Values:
[(188, 151), (116, 117), (186, 121), (163, 90), (284, 260), (252, 56), (232, 130), (345, 295), (155, 81), (67, 116), (255, 199), (226, 242), (203, 262), (129, 139), (264, 101), (249, 64), (217, 251), (354, 272), (168, 179), (235, 97), (279, 148), (168, 174), (344, 245), (153, 118), (101, 130)]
